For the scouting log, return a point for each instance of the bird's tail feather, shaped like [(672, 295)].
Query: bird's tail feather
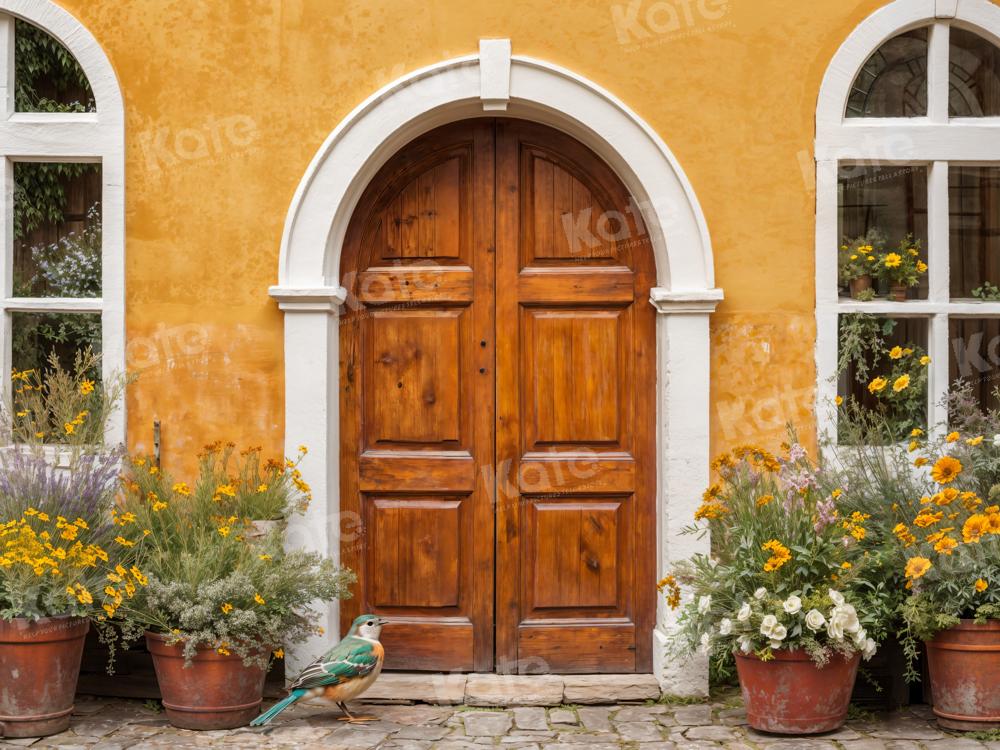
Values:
[(277, 708)]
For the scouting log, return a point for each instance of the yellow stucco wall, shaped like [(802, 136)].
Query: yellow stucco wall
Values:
[(228, 100)]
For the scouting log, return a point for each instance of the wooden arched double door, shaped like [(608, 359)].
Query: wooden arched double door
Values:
[(497, 406)]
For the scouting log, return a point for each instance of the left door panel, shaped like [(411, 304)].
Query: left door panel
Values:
[(417, 401)]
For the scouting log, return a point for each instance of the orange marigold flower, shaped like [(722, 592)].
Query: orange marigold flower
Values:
[(917, 567), (946, 469)]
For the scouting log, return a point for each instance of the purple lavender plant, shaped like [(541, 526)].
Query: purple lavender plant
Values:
[(84, 490)]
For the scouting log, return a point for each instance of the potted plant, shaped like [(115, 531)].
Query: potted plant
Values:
[(858, 261), (778, 592), (901, 268), (58, 550), (951, 549), (266, 492), (217, 606)]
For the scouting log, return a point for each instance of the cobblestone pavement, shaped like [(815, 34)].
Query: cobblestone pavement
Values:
[(117, 724)]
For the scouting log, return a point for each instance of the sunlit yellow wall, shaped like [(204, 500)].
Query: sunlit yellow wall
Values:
[(228, 100)]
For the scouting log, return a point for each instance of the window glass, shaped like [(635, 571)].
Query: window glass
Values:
[(57, 230), (974, 225), (883, 368), (893, 81), (47, 78), (35, 336), (974, 358), (886, 207), (974, 77)]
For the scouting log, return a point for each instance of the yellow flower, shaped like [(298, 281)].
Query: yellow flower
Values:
[(181, 488), (303, 450), (951, 437), (779, 555), (846, 565), (39, 435), (913, 446), (261, 488), (945, 545), (839, 400), (69, 427), (764, 500), (975, 441), (265, 558), (86, 387), (981, 585), (877, 385), (916, 432), (279, 654), (921, 266), (227, 608), (946, 469), (925, 360), (917, 567), (259, 599), (892, 260), (224, 530), (223, 650), (124, 542), (896, 352), (902, 382), (921, 461)]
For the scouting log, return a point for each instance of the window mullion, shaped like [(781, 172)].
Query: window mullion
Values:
[(937, 73), (937, 376), (6, 66), (938, 253)]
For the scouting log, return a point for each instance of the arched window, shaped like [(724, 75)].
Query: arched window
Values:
[(62, 179), (908, 213)]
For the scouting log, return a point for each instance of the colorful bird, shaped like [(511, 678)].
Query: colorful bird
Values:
[(341, 674)]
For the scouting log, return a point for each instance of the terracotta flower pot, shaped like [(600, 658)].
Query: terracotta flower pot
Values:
[(215, 692), (791, 695), (964, 666), (898, 293), (40, 666), (259, 528), (860, 284)]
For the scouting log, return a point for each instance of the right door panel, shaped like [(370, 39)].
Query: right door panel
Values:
[(575, 411)]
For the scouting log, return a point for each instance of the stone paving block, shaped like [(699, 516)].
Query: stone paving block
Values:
[(954, 743), (640, 713), (513, 690), (597, 738), (530, 718), (693, 715), (594, 719), (443, 689), (563, 716), (582, 746), (713, 733), (639, 731), (603, 689), (432, 733), (664, 745), (486, 723)]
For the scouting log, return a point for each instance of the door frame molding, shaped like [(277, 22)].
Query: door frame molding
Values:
[(310, 291)]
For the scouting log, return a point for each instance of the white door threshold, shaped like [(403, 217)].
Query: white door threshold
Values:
[(511, 690)]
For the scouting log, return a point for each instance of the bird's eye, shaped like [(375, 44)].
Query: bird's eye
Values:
[(371, 622)]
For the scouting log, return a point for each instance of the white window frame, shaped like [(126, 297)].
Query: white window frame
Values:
[(933, 141), (97, 137)]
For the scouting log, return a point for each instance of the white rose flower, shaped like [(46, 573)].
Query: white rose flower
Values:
[(726, 626), (815, 620), (996, 440), (836, 597), (775, 645), (746, 643), (847, 617), (860, 637), (706, 643), (869, 649), (768, 624), (704, 604), (744, 614), (778, 633), (792, 605), (835, 629), (760, 593)]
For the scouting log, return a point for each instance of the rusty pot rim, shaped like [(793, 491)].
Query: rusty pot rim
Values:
[(967, 625), (44, 629), (157, 644), (791, 655)]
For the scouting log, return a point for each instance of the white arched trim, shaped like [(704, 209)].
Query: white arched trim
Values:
[(45, 136), (494, 83), (933, 141)]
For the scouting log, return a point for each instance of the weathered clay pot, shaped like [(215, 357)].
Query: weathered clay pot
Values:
[(791, 695), (39, 665), (964, 666), (259, 529), (215, 692), (898, 293), (860, 284)]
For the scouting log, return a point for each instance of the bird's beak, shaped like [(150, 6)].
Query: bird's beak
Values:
[(382, 621)]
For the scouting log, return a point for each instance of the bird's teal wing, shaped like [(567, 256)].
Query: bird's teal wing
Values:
[(350, 659)]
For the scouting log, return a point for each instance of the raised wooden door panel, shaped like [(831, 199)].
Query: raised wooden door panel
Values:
[(416, 362), (575, 411)]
